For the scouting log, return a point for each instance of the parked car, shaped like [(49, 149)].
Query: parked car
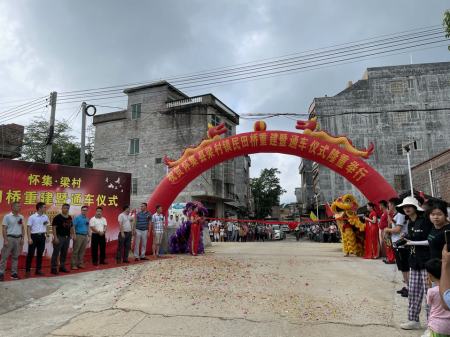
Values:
[(278, 233), (285, 228)]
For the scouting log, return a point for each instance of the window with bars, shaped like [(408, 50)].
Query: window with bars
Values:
[(136, 111), (134, 186), (134, 146)]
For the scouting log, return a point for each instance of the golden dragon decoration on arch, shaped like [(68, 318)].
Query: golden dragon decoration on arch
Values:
[(309, 128)]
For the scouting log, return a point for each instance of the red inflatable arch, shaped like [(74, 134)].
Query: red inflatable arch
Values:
[(327, 150)]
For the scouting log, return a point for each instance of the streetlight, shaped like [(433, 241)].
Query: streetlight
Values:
[(407, 148)]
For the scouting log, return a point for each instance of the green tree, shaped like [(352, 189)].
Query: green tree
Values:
[(66, 151), (266, 190), (446, 23)]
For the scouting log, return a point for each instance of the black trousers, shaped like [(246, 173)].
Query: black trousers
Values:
[(98, 241), (37, 246), (60, 250), (123, 247)]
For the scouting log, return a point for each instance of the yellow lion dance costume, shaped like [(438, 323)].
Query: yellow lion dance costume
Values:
[(351, 228)]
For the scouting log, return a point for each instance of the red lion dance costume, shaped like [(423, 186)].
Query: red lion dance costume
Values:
[(351, 228), (195, 212)]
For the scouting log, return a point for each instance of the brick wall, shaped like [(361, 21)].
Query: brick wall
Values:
[(440, 168)]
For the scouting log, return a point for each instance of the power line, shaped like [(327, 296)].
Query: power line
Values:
[(314, 57), (37, 101), (74, 116), (311, 58), (281, 66), (33, 113), (269, 74), (417, 30), (297, 71), (303, 69), (12, 115), (19, 100)]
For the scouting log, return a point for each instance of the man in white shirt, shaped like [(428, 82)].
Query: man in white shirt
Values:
[(124, 240), (98, 226), (172, 222), (398, 228), (37, 230), (13, 230)]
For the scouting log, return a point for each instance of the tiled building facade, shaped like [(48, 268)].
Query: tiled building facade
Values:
[(161, 120)]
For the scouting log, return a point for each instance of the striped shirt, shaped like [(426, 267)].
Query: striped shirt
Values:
[(158, 222)]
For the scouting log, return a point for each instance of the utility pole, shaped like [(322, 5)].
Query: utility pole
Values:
[(51, 130), (410, 173), (83, 136)]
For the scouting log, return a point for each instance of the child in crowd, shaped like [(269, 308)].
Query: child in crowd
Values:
[(439, 320)]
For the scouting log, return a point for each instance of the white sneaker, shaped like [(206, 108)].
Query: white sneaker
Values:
[(410, 325), (427, 333)]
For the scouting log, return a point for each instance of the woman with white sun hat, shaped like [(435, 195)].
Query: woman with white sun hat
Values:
[(418, 230)]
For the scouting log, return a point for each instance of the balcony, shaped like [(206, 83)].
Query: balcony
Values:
[(183, 102)]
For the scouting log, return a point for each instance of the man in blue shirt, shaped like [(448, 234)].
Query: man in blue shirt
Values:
[(143, 219), (81, 225)]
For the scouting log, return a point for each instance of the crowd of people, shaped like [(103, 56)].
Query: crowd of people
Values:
[(231, 231), (411, 234), (80, 229), (326, 231)]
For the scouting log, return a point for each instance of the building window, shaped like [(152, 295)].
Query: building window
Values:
[(135, 111), (401, 117), (397, 87), (410, 83), (134, 146), (229, 130), (215, 120), (134, 186), (158, 160)]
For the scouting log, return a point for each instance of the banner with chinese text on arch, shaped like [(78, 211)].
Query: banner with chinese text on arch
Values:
[(29, 183)]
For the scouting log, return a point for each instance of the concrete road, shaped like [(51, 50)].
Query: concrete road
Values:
[(285, 288)]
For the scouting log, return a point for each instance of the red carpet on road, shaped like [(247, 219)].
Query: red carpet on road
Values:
[(88, 266)]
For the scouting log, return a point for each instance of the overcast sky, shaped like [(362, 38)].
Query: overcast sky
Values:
[(68, 45)]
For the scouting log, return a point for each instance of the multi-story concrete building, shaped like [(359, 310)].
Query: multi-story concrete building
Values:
[(161, 120), (389, 106), (305, 193), (433, 176)]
